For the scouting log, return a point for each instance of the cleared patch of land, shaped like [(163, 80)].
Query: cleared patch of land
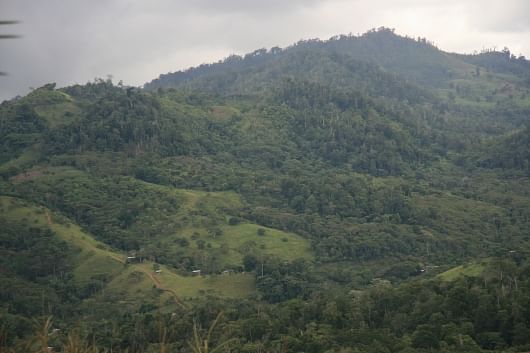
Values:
[(131, 282), (474, 269)]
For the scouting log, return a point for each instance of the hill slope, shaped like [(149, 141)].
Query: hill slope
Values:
[(346, 61), (333, 175)]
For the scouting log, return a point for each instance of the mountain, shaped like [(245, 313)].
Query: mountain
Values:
[(363, 193), (344, 61)]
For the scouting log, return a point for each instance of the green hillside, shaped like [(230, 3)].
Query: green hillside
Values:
[(91, 259), (360, 194)]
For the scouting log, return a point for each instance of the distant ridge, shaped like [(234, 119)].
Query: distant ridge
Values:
[(415, 60)]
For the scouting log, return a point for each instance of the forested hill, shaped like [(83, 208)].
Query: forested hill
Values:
[(362, 194), (344, 62)]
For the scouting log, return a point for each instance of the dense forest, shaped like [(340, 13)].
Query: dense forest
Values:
[(359, 194)]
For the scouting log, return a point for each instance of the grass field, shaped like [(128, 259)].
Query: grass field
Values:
[(200, 212), (131, 282), (238, 240), (56, 107), (235, 285), (286, 246), (199, 216), (474, 269), (90, 257), (58, 114)]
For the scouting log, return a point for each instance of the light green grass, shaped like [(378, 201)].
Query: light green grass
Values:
[(129, 282), (498, 87), (287, 246), (197, 214), (474, 269), (202, 211), (242, 239), (136, 281), (56, 114), (231, 285), (90, 257), (54, 106)]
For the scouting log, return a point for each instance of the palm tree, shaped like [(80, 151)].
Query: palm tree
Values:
[(43, 330), (201, 344)]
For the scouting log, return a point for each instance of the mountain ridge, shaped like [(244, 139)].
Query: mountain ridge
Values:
[(417, 60)]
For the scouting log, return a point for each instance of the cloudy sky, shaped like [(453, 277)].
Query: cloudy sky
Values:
[(75, 41)]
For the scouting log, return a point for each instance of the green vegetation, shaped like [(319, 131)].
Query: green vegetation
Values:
[(91, 259), (469, 270), (361, 194)]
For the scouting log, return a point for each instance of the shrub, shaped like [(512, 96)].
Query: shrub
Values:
[(234, 221)]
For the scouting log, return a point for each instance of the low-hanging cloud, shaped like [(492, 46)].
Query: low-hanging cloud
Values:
[(75, 41)]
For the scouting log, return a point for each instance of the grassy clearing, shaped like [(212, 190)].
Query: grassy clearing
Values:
[(139, 280), (201, 217), (474, 269), (90, 257), (231, 285), (196, 215), (238, 240), (287, 246), (207, 202), (59, 114), (201, 212), (131, 282), (56, 107)]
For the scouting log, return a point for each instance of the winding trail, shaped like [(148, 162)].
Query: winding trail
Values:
[(159, 285)]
